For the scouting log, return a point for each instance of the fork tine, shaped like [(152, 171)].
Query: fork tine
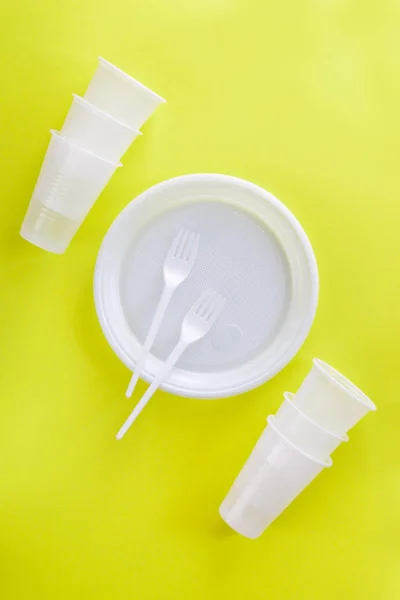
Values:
[(174, 246), (208, 305), (210, 308), (195, 248), (188, 247), (182, 245), (213, 306), (197, 306), (217, 309)]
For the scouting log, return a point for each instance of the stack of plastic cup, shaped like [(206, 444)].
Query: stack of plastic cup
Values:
[(121, 96), (83, 156), (294, 448)]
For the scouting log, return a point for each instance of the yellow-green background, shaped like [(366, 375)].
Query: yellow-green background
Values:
[(301, 97)]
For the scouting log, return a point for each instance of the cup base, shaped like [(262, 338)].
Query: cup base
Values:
[(47, 229), (250, 524)]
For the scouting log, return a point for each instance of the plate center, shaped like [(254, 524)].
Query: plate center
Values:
[(239, 257)]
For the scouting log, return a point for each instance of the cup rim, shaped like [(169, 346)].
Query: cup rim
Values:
[(57, 134), (326, 463), (95, 108), (289, 397), (131, 79), (343, 383)]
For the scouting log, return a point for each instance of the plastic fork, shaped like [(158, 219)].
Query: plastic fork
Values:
[(196, 324), (177, 267)]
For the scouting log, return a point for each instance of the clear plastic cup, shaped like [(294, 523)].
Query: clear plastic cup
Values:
[(121, 96), (331, 400), (70, 181), (94, 130), (305, 433), (275, 473)]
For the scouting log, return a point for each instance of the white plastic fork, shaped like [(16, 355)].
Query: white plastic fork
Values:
[(196, 324), (177, 267)]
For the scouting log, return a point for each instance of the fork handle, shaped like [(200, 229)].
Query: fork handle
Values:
[(151, 336), (165, 369)]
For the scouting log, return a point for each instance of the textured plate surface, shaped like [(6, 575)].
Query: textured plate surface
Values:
[(252, 251)]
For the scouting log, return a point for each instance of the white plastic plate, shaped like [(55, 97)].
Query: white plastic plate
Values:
[(252, 250)]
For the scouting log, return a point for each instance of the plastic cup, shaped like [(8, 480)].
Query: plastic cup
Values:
[(121, 96), (275, 473), (70, 181), (305, 433), (95, 131), (331, 400)]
